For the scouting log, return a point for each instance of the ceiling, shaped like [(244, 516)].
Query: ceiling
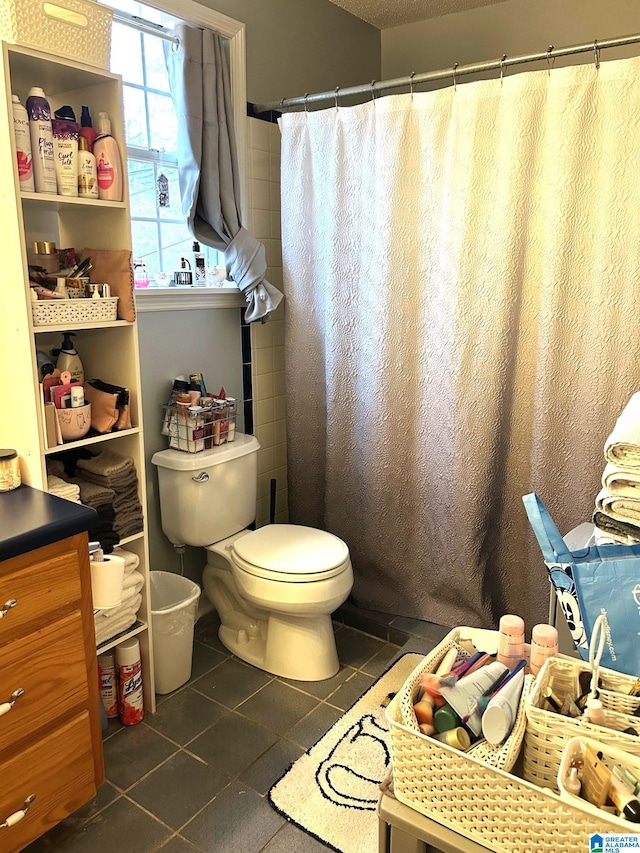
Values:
[(392, 13)]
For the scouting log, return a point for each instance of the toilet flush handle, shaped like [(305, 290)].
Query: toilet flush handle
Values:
[(201, 478)]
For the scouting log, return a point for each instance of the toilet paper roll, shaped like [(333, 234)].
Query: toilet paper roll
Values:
[(107, 578)]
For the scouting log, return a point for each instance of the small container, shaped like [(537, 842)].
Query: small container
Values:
[(510, 640), (9, 470), (45, 254), (544, 644)]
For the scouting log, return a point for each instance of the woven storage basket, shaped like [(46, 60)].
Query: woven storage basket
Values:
[(547, 732), (481, 802), (79, 29), (53, 312), (574, 749)]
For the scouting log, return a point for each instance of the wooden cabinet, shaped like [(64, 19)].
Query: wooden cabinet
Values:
[(50, 736), (108, 349)]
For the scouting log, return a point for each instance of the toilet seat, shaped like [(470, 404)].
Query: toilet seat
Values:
[(290, 553)]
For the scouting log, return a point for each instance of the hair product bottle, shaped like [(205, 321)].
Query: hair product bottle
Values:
[(107, 154), (39, 112), (86, 128), (87, 171), (65, 149), (23, 145)]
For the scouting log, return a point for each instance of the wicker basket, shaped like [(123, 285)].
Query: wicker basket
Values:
[(547, 732), (480, 802), (78, 29), (53, 312)]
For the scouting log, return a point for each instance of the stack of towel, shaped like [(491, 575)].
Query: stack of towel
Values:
[(108, 623), (114, 471), (101, 499), (617, 513), (62, 489)]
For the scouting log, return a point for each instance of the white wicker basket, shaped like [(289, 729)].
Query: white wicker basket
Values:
[(79, 29), (483, 803), (53, 312), (547, 732)]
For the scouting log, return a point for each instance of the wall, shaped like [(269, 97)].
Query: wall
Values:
[(515, 27)]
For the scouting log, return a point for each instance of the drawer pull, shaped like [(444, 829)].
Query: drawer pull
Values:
[(7, 607), (16, 817), (5, 707)]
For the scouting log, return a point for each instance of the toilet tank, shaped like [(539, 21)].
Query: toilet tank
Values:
[(207, 496)]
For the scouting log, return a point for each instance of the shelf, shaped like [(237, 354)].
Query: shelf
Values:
[(69, 327), (85, 442), (127, 539), (59, 202), (136, 628)]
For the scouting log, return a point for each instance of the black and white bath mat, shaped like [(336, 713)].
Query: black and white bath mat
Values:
[(332, 790)]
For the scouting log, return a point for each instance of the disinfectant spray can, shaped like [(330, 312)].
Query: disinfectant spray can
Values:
[(130, 701), (108, 683)]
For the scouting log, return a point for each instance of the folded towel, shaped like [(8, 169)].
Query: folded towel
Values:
[(623, 445), (107, 464), (109, 628), (62, 489), (131, 560), (120, 484), (624, 482), (627, 532), (56, 466), (131, 527), (93, 495), (621, 509)]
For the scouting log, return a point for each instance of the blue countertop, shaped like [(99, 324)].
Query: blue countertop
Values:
[(30, 519)]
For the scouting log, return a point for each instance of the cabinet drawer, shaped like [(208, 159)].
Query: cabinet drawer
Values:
[(49, 665), (41, 583), (59, 770)]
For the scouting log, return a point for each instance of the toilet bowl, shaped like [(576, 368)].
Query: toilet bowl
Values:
[(275, 587)]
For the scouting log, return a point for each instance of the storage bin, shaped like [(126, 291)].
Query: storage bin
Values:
[(53, 312), (78, 29), (483, 803)]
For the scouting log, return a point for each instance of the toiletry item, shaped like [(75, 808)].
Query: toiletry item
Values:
[(109, 163), (77, 396), (572, 783), (86, 128), (44, 254), (544, 644), (466, 691), (39, 113), (130, 697), (445, 718), (483, 700), (627, 803), (450, 678), (9, 470), (183, 277), (424, 710), (198, 266), (427, 729), (108, 684), (68, 359), (45, 366), (23, 145), (510, 640), (87, 171), (198, 379), (457, 738), (65, 150), (626, 780), (231, 418), (501, 712), (107, 578), (595, 778), (140, 274), (594, 712), (551, 699)]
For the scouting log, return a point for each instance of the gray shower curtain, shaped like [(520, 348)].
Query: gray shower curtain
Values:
[(462, 273), (208, 163)]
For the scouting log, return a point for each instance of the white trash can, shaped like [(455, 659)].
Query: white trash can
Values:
[(174, 602)]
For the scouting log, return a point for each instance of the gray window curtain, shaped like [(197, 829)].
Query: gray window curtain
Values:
[(208, 163)]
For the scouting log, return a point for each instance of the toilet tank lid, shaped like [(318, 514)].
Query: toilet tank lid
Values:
[(178, 460), (292, 548)]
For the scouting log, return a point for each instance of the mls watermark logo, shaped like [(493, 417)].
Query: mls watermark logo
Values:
[(613, 843)]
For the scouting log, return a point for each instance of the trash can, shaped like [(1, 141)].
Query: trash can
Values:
[(174, 602)]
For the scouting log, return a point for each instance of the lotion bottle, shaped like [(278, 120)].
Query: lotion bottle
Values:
[(23, 145), (39, 111), (109, 163), (87, 171), (68, 359)]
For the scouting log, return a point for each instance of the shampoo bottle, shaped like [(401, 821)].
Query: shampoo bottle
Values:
[(86, 128), (39, 112), (23, 145), (68, 359), (87, 171), (65, 149), (107, 154), (198, 268)]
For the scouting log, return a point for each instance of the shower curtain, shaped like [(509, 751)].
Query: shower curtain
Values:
[(462, 327)]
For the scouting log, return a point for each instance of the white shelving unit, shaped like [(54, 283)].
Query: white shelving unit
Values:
[(109, 350)]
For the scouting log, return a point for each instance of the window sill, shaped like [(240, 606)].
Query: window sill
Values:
[(187, 299)]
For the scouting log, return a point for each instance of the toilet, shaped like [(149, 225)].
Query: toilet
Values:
[(274, 588)]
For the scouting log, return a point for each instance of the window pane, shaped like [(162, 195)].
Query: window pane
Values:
[(174, 211), (157, 77), (176, 243), (163, 125), (126, 54), (142, 189), (145, 243), (135, 117)]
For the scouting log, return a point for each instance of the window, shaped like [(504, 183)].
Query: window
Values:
[(159, 233)]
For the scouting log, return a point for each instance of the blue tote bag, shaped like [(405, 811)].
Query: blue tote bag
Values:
[(599, 580)]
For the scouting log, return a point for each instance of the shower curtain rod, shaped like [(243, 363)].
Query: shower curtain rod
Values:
[(145, 26), (452, 73)]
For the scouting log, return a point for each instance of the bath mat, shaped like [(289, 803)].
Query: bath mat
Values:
[(332, 790)]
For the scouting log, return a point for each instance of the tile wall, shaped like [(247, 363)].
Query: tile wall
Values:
[(263, 344)]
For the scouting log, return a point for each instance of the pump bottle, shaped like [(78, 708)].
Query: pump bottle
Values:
[(68, 359)]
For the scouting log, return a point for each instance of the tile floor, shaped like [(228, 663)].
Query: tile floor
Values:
[(193, 777)]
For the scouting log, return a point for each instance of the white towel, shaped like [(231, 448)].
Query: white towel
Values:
[(624, 482), (622, 509), (108, 628), (623, 445), (62, 489), (131, 560)]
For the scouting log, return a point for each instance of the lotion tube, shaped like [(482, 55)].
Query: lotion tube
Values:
[(500, 714), (462, 695)]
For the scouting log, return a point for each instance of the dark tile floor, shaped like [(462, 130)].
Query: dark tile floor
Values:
[(193, 777)]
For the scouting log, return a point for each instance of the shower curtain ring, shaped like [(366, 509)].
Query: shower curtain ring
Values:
[(502, 61), (337, 89), (596, 55), (411, 76), (550, 60), (373, 91), (455, 79), (306, 95)]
